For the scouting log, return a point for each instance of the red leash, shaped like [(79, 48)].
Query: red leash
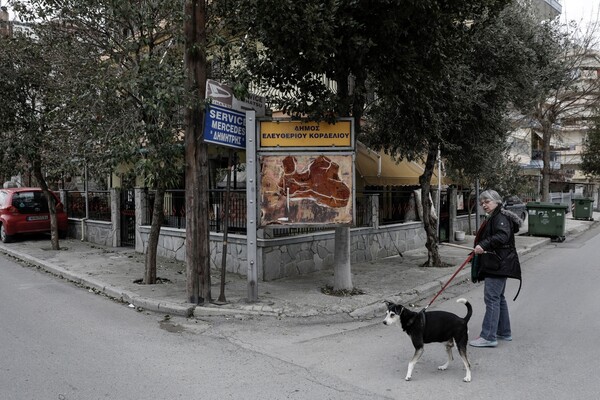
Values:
[(450, 280)]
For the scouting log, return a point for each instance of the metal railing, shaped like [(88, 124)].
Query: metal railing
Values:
[(561, 197), (174, 210), (236, 216), (394, 206), (97, 203)]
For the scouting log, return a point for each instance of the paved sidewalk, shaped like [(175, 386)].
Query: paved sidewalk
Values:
[(112, 271)]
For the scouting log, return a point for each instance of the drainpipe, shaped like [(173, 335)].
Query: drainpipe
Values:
[(85, 185)]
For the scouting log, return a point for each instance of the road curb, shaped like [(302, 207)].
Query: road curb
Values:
[(107, 290), (415, 295)]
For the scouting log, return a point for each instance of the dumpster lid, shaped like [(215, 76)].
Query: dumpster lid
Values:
[(538, 204)]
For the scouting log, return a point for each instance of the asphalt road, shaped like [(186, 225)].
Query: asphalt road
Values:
[(554, 353), (61, 342)]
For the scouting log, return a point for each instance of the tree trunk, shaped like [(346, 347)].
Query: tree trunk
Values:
[(546, 136), (196, 157), (429, 222), (470, 208), (158, 215), (39, 177)]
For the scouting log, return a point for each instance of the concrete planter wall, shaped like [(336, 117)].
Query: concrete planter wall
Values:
[(99, 232), (297, 255)]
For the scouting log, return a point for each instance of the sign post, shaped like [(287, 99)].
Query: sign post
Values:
[(230, 122), (251, 209)]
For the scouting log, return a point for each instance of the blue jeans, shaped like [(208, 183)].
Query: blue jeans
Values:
[(496, 320)]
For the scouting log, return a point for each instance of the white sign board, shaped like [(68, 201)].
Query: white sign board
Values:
[(222, 95)]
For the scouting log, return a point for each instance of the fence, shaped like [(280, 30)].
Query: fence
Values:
[(394, 206), (174, 210), (561, 197), (372, 207), (98, 205)]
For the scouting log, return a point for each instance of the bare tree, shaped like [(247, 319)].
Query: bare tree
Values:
[(572, 89)]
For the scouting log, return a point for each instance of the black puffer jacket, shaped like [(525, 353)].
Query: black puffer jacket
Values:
[(497, 238)]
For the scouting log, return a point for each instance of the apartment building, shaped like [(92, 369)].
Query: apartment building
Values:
[(567, 142), (4, 22), (10, 27), (573, 129)]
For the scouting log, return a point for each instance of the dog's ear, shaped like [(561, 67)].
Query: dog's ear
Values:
[(388, 303)]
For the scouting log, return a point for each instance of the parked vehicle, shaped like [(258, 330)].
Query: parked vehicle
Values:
[(25, 210), (514, 204)]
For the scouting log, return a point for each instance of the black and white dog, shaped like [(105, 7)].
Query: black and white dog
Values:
[(433, 326)]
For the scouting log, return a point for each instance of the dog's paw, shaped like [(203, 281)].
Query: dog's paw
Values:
[(443, 367), (467, 379), (407, 378)]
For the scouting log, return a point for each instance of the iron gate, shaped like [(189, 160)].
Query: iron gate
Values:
[(128, 218)]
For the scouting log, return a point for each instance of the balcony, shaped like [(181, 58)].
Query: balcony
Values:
[(547, 9)]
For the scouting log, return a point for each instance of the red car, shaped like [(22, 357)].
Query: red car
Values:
[(25, 210)]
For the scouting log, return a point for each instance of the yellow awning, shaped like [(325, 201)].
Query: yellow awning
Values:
[(380, 169)]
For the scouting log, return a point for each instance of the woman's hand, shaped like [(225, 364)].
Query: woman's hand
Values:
[(479, 250)]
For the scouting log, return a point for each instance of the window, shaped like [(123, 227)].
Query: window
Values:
[(30, 202)]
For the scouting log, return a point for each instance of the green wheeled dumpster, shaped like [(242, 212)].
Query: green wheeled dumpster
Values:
[(547, 219), (583, 209)]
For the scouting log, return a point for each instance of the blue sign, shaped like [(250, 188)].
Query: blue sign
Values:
[(225, 127)]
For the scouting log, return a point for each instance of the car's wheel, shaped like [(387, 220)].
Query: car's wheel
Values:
[(523, 216), (3, 236)]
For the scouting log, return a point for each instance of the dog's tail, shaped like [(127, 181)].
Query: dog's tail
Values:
[(469, 308)]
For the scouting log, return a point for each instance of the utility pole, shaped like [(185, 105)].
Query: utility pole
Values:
[(196, 156)]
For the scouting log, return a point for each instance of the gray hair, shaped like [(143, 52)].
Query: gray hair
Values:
[(490, 195)]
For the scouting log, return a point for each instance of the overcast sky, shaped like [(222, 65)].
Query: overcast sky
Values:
[(584, 11)]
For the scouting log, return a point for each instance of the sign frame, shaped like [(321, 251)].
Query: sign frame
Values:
[(295, 128), (286, 223), (208, 133)]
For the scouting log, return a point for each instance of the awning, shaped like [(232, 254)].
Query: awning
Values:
[(380, 169)]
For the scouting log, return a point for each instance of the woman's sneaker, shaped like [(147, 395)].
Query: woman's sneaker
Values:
[(481, 342)]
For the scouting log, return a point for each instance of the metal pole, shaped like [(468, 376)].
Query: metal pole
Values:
[(251, 198), (86, 189)]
